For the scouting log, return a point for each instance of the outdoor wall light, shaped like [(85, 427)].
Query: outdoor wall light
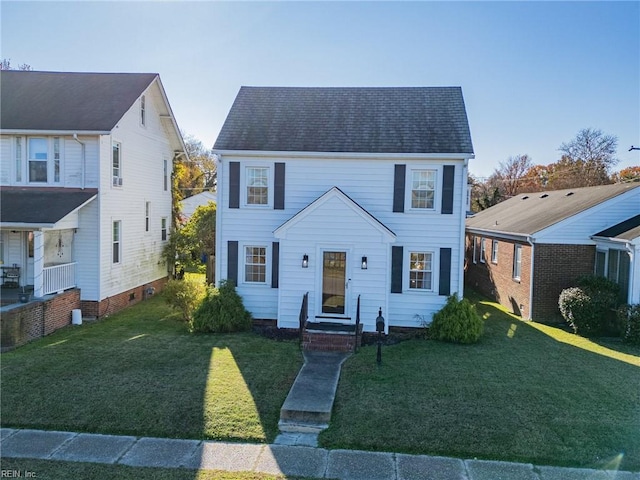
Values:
[(363, 265), (305, 261)]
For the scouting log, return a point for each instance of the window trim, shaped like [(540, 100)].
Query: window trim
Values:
[(517, 262), (116, 179), (475, 249), (409, 189), (116, 243), (244, 174), (164, 229), (143, 112), (494, 251), (267, 263), (147, 216), (409, 251)]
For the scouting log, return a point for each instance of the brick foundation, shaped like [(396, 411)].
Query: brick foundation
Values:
[(25, 322), (122, 300), (330, 342)]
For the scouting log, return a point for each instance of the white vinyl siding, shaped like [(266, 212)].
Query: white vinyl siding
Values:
[(369, 183)]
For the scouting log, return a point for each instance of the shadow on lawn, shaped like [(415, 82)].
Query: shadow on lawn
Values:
[(141, 373)]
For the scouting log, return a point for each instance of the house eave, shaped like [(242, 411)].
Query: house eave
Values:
[(344, 155), (18, 131), (523, 237)]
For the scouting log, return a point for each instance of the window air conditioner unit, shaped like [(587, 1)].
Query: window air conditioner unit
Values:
[(117, 181)]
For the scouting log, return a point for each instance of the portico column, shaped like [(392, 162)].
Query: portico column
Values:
[(38, 263)]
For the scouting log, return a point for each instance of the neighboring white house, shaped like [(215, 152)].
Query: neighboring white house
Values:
[(86, 183), (343, 193), (190, 204)]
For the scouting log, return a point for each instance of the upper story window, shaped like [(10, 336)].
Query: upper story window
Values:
[(116, 239), (165, 164), (257, 185), (18, 159), (116, 163), (423, 189), (38, 155), (143, 113)]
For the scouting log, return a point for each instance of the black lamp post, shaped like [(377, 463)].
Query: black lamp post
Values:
[(380, 330)]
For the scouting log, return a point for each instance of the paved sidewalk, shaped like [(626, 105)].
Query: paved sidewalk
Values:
[(275, 459)]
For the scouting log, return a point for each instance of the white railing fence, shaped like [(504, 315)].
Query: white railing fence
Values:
[(59, 277)]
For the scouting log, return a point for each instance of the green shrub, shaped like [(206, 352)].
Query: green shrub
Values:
[(588, 308), (184, 296), (457, 322), (629, 317), (221, 311)]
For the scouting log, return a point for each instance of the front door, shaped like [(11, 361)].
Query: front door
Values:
[(334, 282)]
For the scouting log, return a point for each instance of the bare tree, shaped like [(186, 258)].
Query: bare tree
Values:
[(509, 174), (6, 65), (587, 159)]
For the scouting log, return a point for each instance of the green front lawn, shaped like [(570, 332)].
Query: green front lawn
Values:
[(141, 373), (526, 392)]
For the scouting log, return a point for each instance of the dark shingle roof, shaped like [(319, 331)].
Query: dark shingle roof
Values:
[(627, 230), (528, 213), (37, 206), (67, 101), (351, 120)]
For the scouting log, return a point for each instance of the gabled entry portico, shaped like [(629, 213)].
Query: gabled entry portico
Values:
[(334, 235)]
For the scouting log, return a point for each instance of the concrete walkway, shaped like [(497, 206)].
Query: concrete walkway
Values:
[(274, 459), (307, 408)]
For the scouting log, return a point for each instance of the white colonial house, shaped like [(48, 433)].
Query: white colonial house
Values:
[(344, 194), (86, 162)]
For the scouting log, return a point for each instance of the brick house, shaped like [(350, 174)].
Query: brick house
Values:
[(524, 251)]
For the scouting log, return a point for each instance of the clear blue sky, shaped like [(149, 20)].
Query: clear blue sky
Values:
[(533, 73)]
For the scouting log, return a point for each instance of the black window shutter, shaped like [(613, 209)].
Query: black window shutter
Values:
[(447, 188), (275, 262), (278, 193), (234, 184), (232, 261), (445, 272), (398, 187), (396, 269)]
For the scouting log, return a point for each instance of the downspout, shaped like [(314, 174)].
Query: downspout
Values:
[(463, 225), (219, 209), (531, 277), (84, 160)]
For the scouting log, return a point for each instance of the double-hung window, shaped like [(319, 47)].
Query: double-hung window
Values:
[(517, 261), (423, 189), (147, 212), (116, 241), (482, 250), (257, 184), (255, 264), (38, 155), (18, 159), (494, 251), (420, 270), (116, 163), (163, 228)]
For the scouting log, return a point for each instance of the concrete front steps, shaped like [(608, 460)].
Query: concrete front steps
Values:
[(307, 408)]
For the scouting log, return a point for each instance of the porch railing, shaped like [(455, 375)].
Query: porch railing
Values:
[(59, 277)]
